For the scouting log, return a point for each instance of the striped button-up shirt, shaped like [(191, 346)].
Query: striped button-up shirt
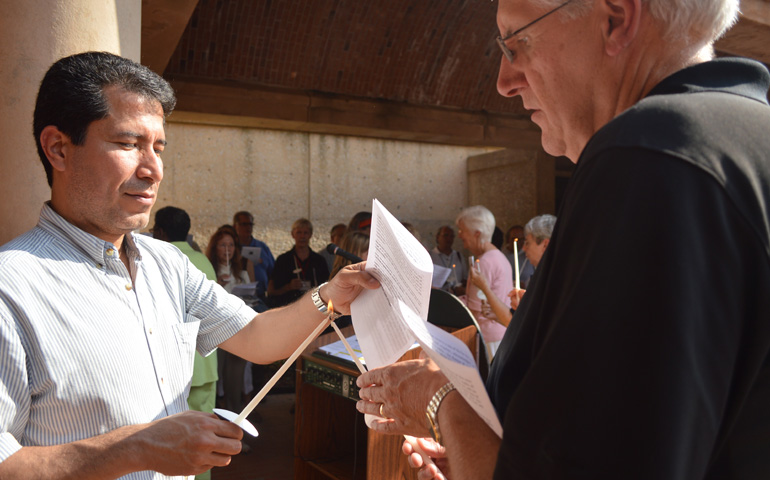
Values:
[(87, 346)]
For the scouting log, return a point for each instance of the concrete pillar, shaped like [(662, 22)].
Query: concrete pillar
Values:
[(515, 185), (33, 35)]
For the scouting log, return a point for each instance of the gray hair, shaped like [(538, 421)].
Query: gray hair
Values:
[(699, 20), (478, 218), (540, 227)]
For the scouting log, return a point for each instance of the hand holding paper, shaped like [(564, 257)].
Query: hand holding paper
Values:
[(388, 321)]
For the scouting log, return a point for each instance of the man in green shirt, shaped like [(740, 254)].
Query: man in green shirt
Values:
[(172, 225)]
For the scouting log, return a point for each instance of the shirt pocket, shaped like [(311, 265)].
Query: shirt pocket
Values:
[(185, 336)]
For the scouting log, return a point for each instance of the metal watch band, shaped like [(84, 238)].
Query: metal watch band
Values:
[(432, 410), (319, 303)]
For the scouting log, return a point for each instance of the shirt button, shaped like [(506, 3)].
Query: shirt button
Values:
[(110, 252), (128, 287), (150, 331)]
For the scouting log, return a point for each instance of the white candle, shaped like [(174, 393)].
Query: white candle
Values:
[(255, 401), (410, 439), (350, 350), (516, 283)]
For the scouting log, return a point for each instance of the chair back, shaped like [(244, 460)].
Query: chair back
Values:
[(446, 310)]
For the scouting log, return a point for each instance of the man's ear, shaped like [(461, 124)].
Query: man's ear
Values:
[(621, 24), (56, 146)]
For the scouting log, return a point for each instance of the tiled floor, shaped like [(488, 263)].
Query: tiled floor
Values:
[(272, 452)]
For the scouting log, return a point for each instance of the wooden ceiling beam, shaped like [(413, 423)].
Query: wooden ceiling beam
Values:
[(750, 37), (163, 23), (260, 107)]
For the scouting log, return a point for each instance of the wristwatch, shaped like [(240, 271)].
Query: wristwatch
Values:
[(432, 410), (319, 303)]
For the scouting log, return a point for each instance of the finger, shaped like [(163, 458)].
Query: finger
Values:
[(406, 448), (429, 472), (382, 425), (415, 460), (227, 429), (371, 408), (360, 276), (431, 447), (367, 379), (219, 460), (228, 447)]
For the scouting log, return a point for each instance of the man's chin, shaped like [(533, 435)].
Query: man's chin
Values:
[(135, 222), (552, 146)]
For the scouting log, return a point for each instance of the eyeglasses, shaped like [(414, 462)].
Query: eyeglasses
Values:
[(501, 40)]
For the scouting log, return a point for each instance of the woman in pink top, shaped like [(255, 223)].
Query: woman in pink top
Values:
[(474, 227)]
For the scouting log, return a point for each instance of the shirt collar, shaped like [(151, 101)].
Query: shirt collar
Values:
[(94, 248), (744, 77)]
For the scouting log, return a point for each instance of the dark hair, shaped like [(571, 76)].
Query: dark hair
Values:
[(175, 223), (71, 95), (497, 237), (236, 266), (360, 221), (242, 213)]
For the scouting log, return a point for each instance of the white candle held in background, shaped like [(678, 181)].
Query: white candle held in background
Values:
[(516, 284)]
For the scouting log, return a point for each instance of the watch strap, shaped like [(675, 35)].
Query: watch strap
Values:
[(319, 303), (432, 410)]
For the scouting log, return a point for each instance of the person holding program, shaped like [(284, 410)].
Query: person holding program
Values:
[(224, 252), (98, 325), (243, 222), (636, 358), (444, 255)]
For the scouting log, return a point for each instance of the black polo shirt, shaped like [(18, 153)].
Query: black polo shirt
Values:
[(641, 346)]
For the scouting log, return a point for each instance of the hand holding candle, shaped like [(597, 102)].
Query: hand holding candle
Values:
[(411, 440)]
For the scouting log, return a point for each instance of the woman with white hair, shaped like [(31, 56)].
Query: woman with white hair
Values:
[(474, 227), (537, 236)]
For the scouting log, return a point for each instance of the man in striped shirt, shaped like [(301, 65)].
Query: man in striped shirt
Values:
[(98, 326)]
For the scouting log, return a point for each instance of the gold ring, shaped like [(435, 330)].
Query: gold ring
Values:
[(382, 414)]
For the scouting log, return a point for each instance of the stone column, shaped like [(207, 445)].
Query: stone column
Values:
[(34, 34)]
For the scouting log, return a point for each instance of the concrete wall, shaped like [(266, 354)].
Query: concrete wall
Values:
[(214, 171), (34, 34), (515, 185)]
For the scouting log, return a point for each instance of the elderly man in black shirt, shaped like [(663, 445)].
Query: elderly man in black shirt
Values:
[(634, 357)]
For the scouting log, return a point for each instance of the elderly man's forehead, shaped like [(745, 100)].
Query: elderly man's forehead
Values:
[(511, 12)]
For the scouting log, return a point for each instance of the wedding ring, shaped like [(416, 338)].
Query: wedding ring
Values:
[(382, 414)]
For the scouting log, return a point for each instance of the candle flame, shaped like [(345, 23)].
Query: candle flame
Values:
[(515, 239)]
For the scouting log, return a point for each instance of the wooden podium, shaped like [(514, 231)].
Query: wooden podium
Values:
[(331, 440)]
